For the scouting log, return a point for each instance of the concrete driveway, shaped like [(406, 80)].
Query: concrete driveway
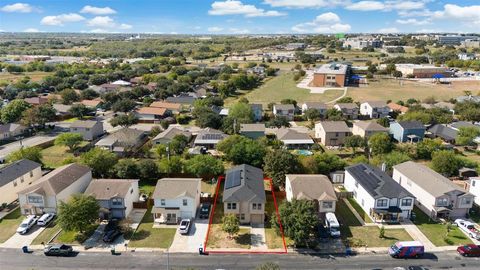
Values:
[(18, 241), (191, 242)]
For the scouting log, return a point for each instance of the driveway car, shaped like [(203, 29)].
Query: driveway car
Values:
[(58, 250), (205, 210), (184, 227), (469, 250), (27, 224), (45, 219), (110, 236)]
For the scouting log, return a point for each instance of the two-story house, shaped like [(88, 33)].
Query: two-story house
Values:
[(319, 106), (17, 176), (244, 194), (45, 194), (365, 129), (176, 199), (293, 139), (474, 188), (374, 109), (11, 130), (331, 133), (252, 131), (437, 196), (383, 199), (407, 131), (349, 110), (114, 196), (89, 129), (284, 110), (312, 187)]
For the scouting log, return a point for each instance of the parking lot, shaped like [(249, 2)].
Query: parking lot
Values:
[(192, 241)]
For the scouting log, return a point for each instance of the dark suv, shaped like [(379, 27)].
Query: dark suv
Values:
[(205, 210)]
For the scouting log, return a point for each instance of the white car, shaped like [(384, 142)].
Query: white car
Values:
[(45, 219), (27, 224), (184, 227)]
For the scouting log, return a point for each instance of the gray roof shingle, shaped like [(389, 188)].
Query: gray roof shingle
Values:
[(250, 186), (16, 169)]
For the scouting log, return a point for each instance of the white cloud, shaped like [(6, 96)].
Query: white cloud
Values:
[(61, 19), (238, 31), (31, 30), (366, 6), (101, 21), (97, 10), (407, 5), (18, 7), (215, 29), (324, 23), (465, 13), (413, 21), (304, 3), (234, 7), (428, 30), (125, 26), (388, 30), (397, 5), (98, 30)]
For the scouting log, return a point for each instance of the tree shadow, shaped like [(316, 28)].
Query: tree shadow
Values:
[(140, 235), (243, 239)]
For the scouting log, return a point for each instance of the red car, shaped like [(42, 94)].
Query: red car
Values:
[(469, 250)]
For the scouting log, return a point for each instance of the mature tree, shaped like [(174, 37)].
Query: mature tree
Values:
[(277, 163), (171, 165), (242, 112), (391, 159), (124, 120), (334, 115), (427, 146), (32, 153), (39, 115), (79, 110), (209, 119), (354, 142), (230, 224), (126, 169), (205, 166), (468, 111), (123, 105), (240, 150), (446, 162), (147, 169), (13, 111), (327, 163), (380, 143), (70, 140), (78, 213), (89, 94), (466, 135), (160, 150), (100, 160), (278, 122), (177, 144), (384, 122), (69, 96), (313, 114), (345, 100), (299, 221)]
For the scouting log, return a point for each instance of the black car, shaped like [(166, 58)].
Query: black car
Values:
[(205, 210), (110, 236), (112, 225), (58, 250)]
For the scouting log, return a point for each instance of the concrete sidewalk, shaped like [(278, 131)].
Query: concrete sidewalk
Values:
[(417, 235), (257, 237)]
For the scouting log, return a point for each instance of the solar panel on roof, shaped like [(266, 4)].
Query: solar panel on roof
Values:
[(233, 179)]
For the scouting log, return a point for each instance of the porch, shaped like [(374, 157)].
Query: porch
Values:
[(167, 215), (387, 215)]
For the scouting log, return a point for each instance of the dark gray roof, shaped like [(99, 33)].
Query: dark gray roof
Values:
[(461, 124), (181, 99), (444, 132), (376, 182), (16, 169), (411, 125), (284, 106), (244, 183), (84, 124)]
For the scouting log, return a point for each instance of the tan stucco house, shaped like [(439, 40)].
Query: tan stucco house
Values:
[(17, 176), (331, 133)]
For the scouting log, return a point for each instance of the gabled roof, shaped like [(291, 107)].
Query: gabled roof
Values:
[(376, 104), (91, 103), (125, 137), (171, 132), (444, 132), (347, 106), (171, 188), (36, 100), (252, 127), (167, 105), (316, 105), (61, 108), (312, 187), (210, 135), (376, 182), (83, 124), (290, 135), (181, 99), (11, 127), (58, 180), (460, 124), (411, 124), (105, 189), (284, 106), (334, 126), (429, 180), (397, 107), (16, 169), (244, 183), (370, 126), (152, 110)]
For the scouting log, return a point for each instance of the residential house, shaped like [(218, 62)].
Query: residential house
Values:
[(175, 199), (151, 114), (349, 110), (257, 112), (374, 109), (17, 176), (244, 194), (436, 195), (62, 110), (93, 104), (312, 187), (319, 106), (331, 133), (175, 108), (284, 110), (365, 129), (459, 124), (123, 141), (209, 138), (11, 130), (114, 196), (167, 135), (378, 194), (293, 139), (407, 131), (474, 188), (444, 132), (182, 99), (394, 107), (252, 131), (45, 194), (35, 101), (89, 129)]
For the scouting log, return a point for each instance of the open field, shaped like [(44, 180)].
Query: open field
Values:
[(9, 224), (389, 89), (34, 76)]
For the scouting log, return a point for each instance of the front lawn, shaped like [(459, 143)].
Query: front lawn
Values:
[(74, 237), (9, 224), (147, 236), (359, 236), (47, 234), (360, 211), (345, 215), (273, 239), (437, 232)]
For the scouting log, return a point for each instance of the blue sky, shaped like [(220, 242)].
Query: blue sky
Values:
[(240, 16)]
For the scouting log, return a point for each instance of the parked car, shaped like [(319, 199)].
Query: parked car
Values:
[(58, 250), (332, 225), (111, 225), (45, 219), (184, 227), (27, 224), (469, 250), (205, 210), (111, 235), (468, 227), (406, 249)]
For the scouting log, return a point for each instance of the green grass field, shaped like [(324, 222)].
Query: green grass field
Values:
[(9, 224), (54, 156), (147, 236)]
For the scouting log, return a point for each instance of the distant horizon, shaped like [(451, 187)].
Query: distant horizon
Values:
[(252, 34)]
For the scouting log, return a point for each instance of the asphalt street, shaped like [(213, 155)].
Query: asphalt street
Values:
[(14, 259)]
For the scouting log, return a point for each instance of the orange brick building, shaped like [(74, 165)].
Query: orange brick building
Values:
[(333, 75)]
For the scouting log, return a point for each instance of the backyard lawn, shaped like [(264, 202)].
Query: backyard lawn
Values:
[(360, 211), (437, 232), (9, 224), (54, 156), (147, 236)]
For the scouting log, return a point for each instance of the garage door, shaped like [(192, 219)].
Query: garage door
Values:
[(256, 219), (186, 214)]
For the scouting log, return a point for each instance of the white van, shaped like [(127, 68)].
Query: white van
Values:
[(332, 224)]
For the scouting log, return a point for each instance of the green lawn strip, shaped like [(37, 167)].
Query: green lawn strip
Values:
[(54, 156), (360, 211), (147, 236), (345, 215), (9, 224), (359, 236), (74, 237), (47, 234)]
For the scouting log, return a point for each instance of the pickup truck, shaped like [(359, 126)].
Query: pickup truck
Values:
[(58, 250), (469, 228)]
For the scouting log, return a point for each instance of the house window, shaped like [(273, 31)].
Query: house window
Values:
[(231, 206), (185, 203), (382, 203), (336, 134), (162, 202), (116, 201), (35, 199), (257, 206), (87, 129), (473, 183), (242, 217), (407, 202), (327, 204), (466, 201), (442, 202)]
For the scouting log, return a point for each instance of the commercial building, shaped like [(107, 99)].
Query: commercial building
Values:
[(453, 40), (333, 75), (422, 71)]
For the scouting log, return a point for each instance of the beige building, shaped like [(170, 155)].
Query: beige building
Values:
[(331, 133), (366, 129), (422, 71), (89, 129), (17, 176), (8, 131)]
